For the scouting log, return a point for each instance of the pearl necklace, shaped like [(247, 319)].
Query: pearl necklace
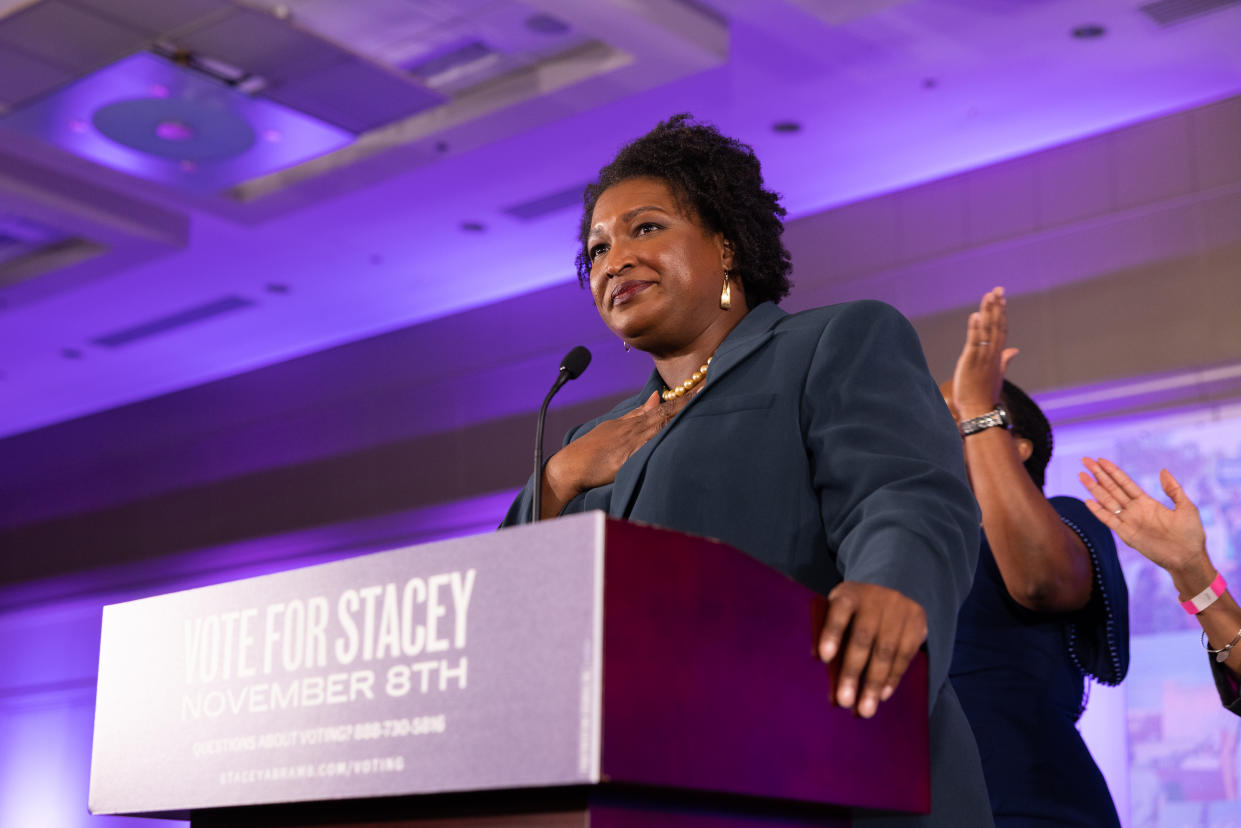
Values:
[(682, 389)]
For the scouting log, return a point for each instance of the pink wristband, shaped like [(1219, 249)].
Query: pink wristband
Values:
[(1207, 597)]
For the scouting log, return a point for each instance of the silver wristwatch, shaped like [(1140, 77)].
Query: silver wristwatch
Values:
[(996, 418)]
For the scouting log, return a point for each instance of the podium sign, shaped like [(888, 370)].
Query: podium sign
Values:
[(574, 652), (465, 664)]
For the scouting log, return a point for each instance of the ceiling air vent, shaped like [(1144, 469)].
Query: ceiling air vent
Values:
[(172, 321), (1171, 12), (550, 203)]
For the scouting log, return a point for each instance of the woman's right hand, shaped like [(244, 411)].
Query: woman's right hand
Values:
[(593, 459), (979, 372)]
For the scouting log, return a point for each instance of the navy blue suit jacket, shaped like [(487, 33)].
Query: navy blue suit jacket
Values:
[(820, 445)]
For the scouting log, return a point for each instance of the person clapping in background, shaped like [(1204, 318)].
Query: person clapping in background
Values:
[(1174, 540)]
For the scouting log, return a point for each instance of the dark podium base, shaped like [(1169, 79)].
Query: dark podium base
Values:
[(605, 806)]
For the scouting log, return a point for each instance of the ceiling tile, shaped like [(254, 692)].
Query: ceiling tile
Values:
[(260, 44), (23, 77), (155, 16), (68, 36), (354, 95)]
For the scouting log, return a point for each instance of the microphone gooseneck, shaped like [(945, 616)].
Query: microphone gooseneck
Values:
[(571, 367)]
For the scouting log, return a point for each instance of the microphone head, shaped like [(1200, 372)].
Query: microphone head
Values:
[(575, 362)]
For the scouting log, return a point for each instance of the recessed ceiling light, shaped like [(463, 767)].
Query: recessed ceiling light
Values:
[(1089, 31), (546, 24), (786, 127), (71, 353), (123, 104), (930, 83), (473, 227), (277, 287)]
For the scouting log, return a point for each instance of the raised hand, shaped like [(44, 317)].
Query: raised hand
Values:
[(1171, 538), (980, 368), (875, 632)]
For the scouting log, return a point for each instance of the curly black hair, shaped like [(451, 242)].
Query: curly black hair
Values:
[(1029, 422), (721, 181)]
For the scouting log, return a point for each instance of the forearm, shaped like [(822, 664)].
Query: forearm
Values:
[(1191, 571), (895, 503), (557, 487), (1045, 566), (1222, 622)]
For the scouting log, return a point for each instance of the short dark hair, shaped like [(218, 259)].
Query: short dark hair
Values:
[(1029, 422), (720, 179)]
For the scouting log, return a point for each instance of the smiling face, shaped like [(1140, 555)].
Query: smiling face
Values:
[(656, 273)]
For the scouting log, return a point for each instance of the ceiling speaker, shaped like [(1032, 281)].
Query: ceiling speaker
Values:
[(181, 129)]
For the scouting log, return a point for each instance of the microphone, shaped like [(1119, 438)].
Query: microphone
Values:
[(571, 367)]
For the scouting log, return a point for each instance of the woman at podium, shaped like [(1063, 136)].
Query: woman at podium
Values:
[(816, 442)]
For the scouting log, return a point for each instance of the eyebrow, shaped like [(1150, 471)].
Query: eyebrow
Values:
[(627, 217)]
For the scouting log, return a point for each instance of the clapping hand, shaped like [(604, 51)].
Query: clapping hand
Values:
[(984, 359), (1171, 538)]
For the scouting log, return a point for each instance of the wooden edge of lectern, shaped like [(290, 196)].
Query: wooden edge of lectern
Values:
[(715, 713)]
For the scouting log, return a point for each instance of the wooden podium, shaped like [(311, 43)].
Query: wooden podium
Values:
[(576, 672)]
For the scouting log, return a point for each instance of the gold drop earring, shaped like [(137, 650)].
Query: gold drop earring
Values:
[(726, 295)]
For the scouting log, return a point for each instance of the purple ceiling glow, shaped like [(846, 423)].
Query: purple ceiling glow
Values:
[(1009, 79), (146, 115)]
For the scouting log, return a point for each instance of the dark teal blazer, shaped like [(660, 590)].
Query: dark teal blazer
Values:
[(820, 445)]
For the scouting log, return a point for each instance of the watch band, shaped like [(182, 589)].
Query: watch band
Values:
[(996, 418)]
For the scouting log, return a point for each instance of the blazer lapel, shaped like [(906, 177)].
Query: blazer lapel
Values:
[(753, 330)]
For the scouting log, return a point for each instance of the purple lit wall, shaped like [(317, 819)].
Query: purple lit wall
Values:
[(1169, 749), (49, 635)]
